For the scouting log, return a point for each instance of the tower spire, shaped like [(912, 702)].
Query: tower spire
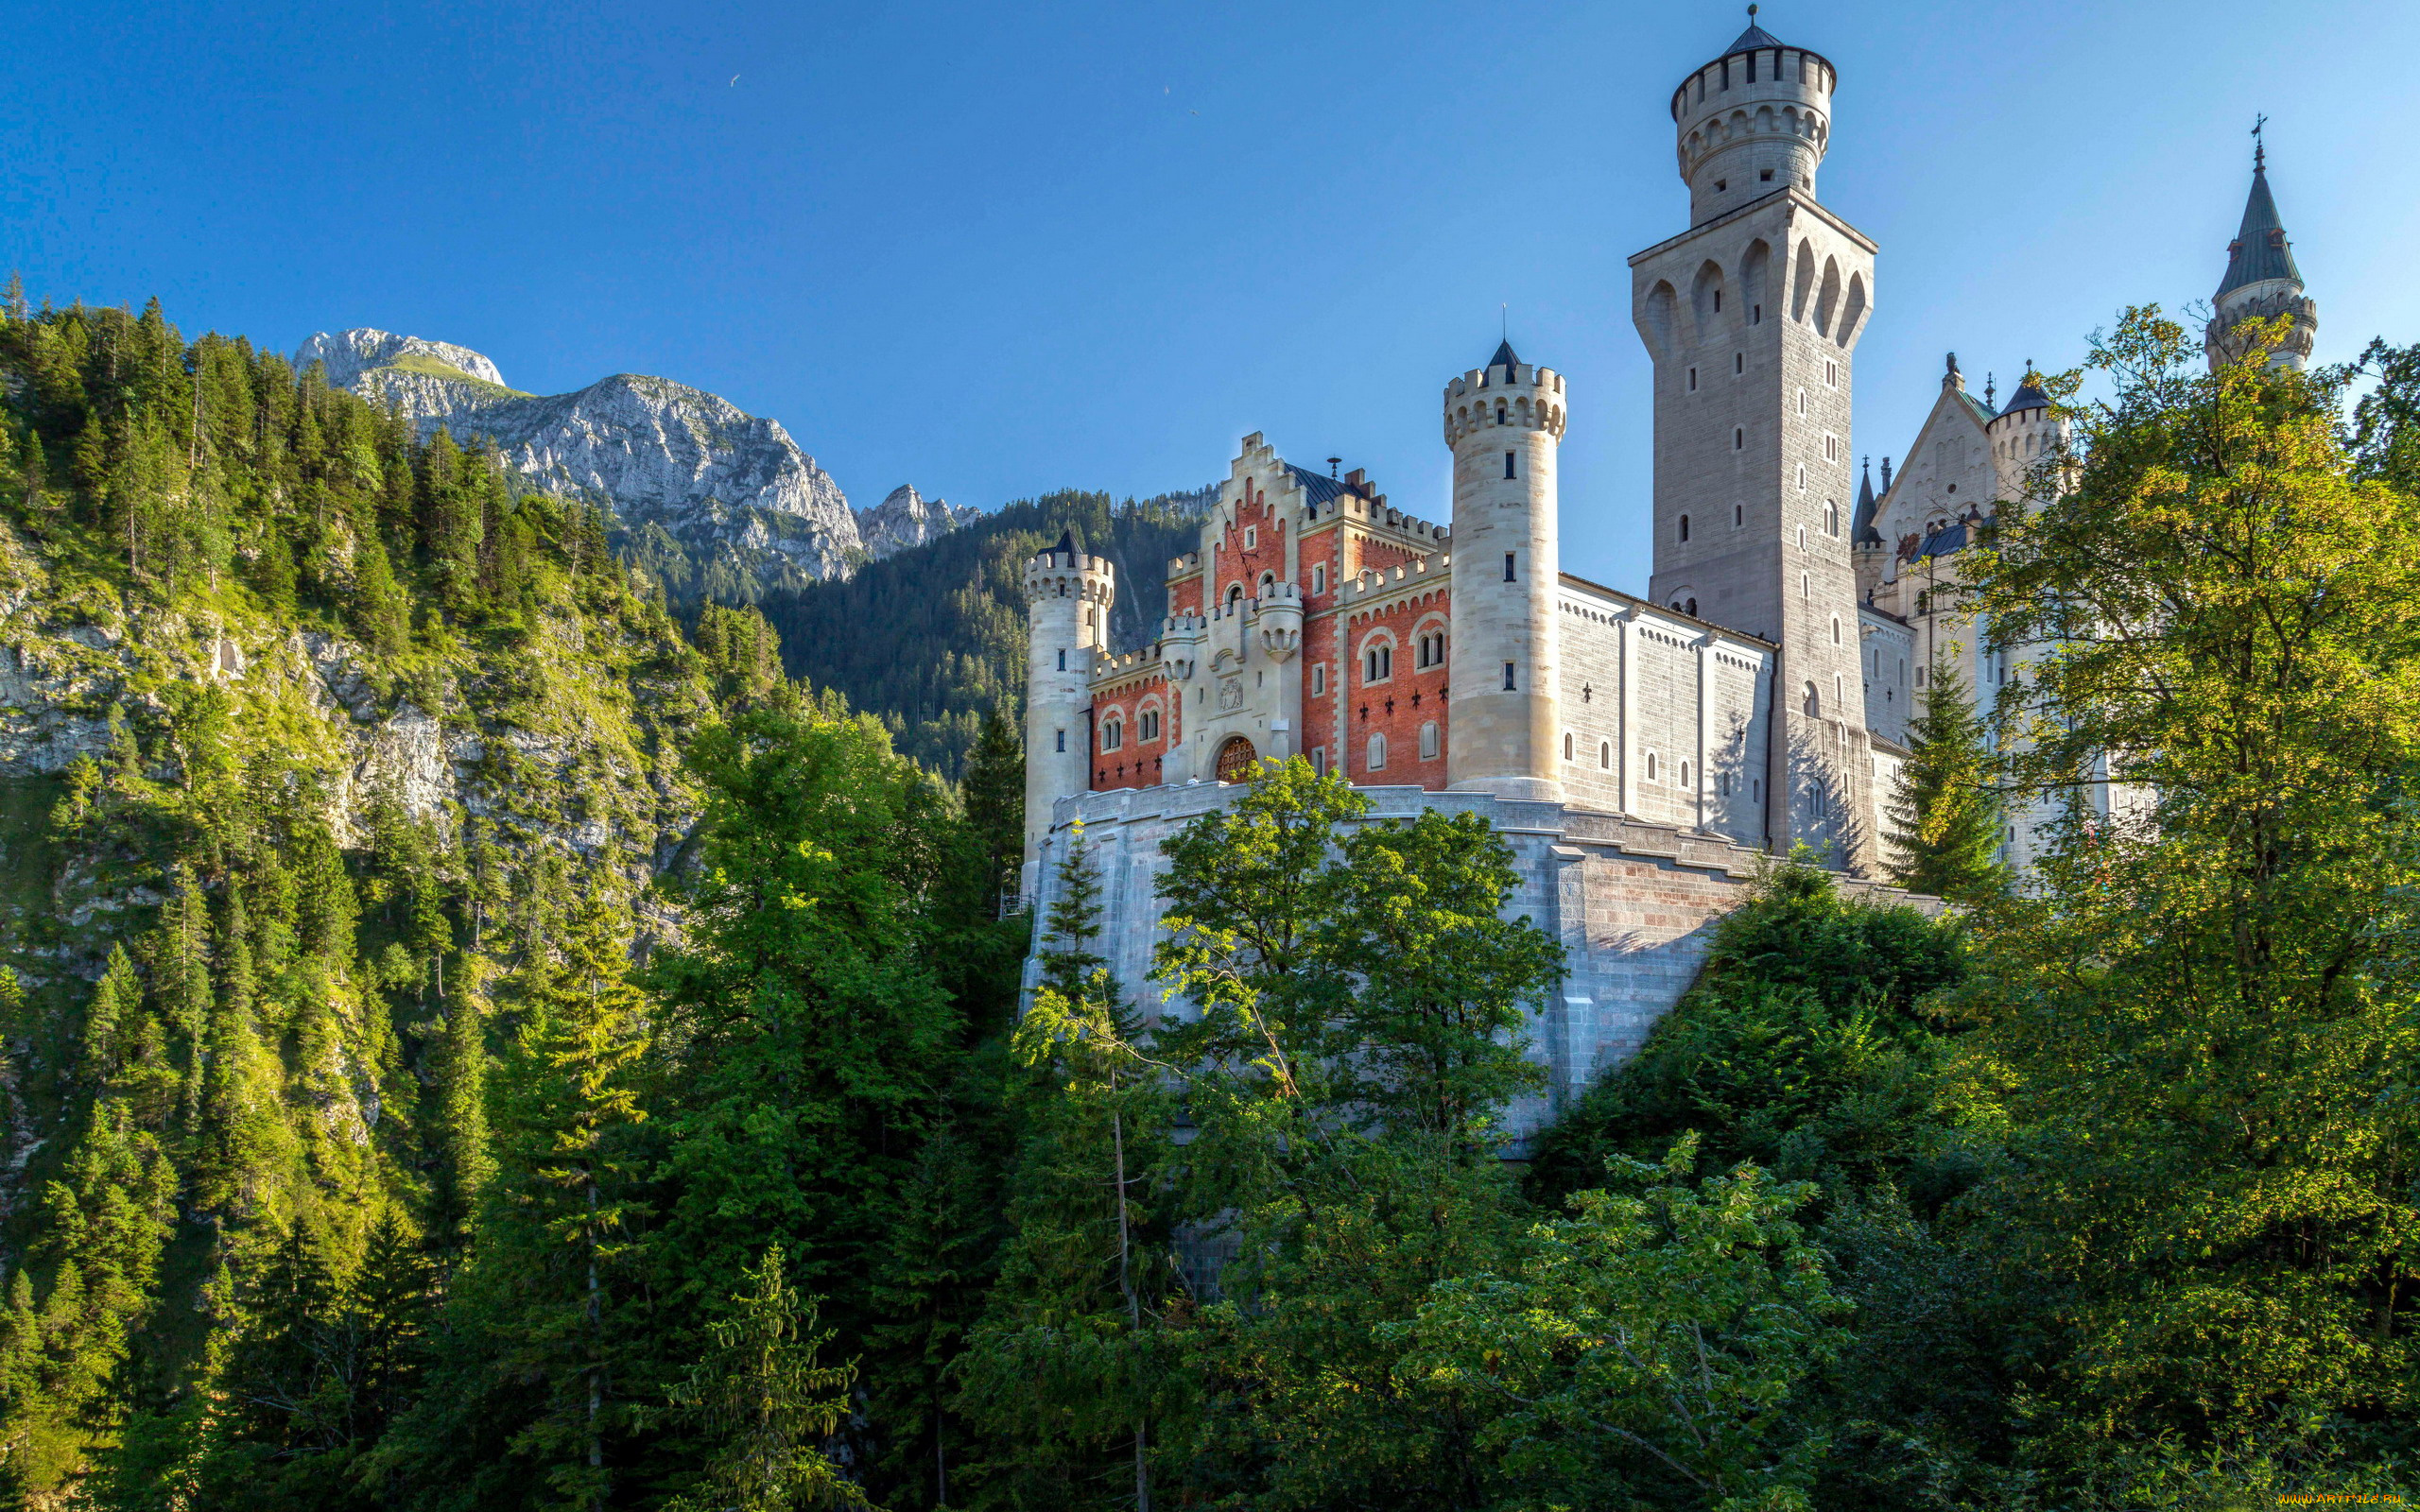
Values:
[(2262, 280)]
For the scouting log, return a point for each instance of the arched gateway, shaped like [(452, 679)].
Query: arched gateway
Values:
[(1236, 760)]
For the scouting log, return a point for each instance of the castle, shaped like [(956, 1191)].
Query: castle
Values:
[(1640, 753)]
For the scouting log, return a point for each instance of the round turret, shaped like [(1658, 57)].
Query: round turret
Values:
[(1069, 596), (1753, 122), (2026, 430), (1504, 422)]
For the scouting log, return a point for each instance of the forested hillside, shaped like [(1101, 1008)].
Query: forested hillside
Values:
[(467, 1043), (932, 639)]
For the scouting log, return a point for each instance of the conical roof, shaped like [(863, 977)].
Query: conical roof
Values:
[(2259, 251), (1752, 39), (2029, 395), (1861, 531), (1504, 358), (1066, 547)]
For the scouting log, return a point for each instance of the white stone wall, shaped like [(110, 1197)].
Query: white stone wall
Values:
[(1633, 903)]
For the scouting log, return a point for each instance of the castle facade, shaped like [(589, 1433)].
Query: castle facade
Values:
[(1641, 751)]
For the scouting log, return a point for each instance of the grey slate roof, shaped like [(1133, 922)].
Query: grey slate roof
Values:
[(1066, 547), (2029, 395), (2259, 251), (1752, 39), (1318, 487), (1504, 358), (1862, 529)]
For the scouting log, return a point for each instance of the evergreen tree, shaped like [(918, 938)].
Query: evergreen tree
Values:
[(762, 1398), (1945, 814), (994, 790)]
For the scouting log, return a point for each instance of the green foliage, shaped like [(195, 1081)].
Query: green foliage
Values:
[(953, 615), (761, 1396), (1946, 813)]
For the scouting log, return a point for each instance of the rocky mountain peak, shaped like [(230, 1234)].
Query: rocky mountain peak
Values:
[(905, 518), (347, 354)]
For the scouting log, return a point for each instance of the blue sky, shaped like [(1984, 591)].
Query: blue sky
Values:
[(994, 249)]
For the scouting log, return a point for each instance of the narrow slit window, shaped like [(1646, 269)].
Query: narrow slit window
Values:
[(1508, 686), (1508, 465), (1507, 566)]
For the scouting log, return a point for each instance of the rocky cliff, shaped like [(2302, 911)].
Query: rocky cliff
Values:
[(716, 503)]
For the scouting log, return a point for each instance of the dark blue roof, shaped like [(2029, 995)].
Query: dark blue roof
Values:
[(1318, 487), (1752, 39), (2029, 395), (1066, 547), (1861, 525), (2259, 251), (1504, 358), (1949, 538)]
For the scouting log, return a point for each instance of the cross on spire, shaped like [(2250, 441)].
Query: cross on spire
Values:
[(2259, 147)]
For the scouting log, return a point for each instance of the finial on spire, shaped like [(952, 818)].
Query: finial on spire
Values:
[(1751, 15), (1991, 389), (2259, 146)]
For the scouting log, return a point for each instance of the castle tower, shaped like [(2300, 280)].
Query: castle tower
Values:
[(1751, 316), (1068, 597), (2021, 435), (2262, 280), (1504, 422)]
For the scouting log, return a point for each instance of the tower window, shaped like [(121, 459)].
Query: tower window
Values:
[(1508, 465), (1802, 401), (1063, 740), (1605, 755), (1739, 515), (1835, 630), (1318, 578), (1831, 448), (1684, 527), (1802, 537), (1802, 477), (1650, 766), (1811, 702), (1319, 676), (1685, 774), (1429, 743), (1508, 679), (1738, 439), (1738, 363), (1500, 412), (1755, 315), (1764, 175), (1831, 517), (1693, 380), (1831, 374), (1567, 742), (1718, 294), (1063, 658), (1690, 608), (1507, 566), (1806, 584), (1377, 758)]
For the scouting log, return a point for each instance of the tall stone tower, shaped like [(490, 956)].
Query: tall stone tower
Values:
[(2262, 280), (1068, 597), (1751, 316), (1504, 422)]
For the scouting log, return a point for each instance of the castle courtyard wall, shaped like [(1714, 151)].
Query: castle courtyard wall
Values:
[(1632, 903)]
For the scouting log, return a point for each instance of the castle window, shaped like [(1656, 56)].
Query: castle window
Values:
[(1757, 312), (1756, 790), (1650, 766), (1567, 742), (1318, 578), (1739, 515), (1319, 759), (1112, 735), (1738, 363), (1605, 755), (1430, 744), (1684, 527), (1764, 175), (1802, 537), (1802, 401), (1831, 374), (1835, 630), (1839, 694), (1831, 448), (1693, 380), (1811, 704), (1802, 477), (1063, 740), (1685, 774), (1499, 416), (1377, 758), (1723, 785), (1691, 609), (1267, 584), (1377, 663), (1738, 439), (1920, 677), (1063, 658), (1831, 517), (1252, 537), (1508, 679), (1507, 566), (1319, 676), (1149, 721), (1806, 584), (1235, 596), (1508, 465), (1718, 293)]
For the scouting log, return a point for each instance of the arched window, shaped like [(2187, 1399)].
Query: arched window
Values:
[(1813, 702), (1566, 745), (1692, 610), (1831, 517), (1684, 527), (1685, 774), (1605, 755), (1112, 735), (1148, 724), (1377, 761), (1835, 630), (1268, 581), (1377, 663), (1429, 744), (1650, 766), (1235, 596)]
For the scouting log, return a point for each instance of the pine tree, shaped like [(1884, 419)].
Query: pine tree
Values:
[(766, 1403), (1944, 822), (994, 792)]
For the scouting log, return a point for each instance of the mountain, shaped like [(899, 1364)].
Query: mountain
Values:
[(905, 518), (950, 612), (717, 504)]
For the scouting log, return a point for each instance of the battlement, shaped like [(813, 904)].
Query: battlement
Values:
[(1070, 574), (1521, 398), (1185, 565), (1421, 571)]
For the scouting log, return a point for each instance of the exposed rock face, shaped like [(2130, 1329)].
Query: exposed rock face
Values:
[(727, 488), (907, 518), (347, 354)]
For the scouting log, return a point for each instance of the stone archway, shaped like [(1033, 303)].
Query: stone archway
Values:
[(1236, 759)]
